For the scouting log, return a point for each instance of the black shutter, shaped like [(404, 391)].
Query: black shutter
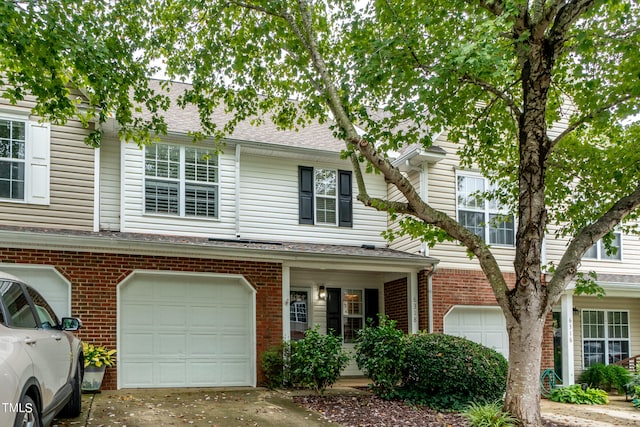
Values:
[(345, 199), (334, 312), (371, 306), (305, 184)]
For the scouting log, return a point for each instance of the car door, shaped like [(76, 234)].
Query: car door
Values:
[(52, 344), (41, 344)]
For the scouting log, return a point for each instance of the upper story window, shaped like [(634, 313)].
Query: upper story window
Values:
[(12, 159), (599, 252), (181, 180), (325, 197), (483, 217), (24, 160)]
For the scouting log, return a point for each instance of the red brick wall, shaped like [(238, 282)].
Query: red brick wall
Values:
[(468, 287), (94, 278), (395, 303)]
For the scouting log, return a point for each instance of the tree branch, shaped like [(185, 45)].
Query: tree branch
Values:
[(586, 238), (494, 90), (589, 116), (494, 6), (567, 15)]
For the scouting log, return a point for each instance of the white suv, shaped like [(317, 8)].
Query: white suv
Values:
[(41, 362)]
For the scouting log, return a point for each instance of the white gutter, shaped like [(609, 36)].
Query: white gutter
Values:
[(237, 189)]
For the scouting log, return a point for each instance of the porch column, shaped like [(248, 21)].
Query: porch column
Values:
[(286, 287), (566, 323), (412, 297)]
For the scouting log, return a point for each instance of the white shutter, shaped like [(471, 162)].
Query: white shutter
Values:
[(38, 163)]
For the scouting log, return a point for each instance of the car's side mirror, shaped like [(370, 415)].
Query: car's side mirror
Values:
[(71, 324)]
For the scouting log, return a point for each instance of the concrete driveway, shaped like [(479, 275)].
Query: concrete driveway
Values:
[(235, 407)]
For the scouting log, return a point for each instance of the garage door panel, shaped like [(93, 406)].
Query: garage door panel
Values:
[(201, 333), (139, 314), (137, 344), (139, 374), (203, 345)]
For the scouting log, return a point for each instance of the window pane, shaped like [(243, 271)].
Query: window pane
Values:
[(5, 148), (161, 197), (325, 182), (351, 327), (5, 129), (201, 200), (298, 314), (593, 353), (616, 247), (468, 189), (592, 253), (326, 211), (472, 221), (12, 180), (200, 165), (501, 229), (618, 350)]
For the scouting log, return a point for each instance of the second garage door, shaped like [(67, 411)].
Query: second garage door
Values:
[(181, 330), (484, 325)]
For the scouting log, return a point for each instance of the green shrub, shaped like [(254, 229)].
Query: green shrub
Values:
[(380, 355), (317, 360), (575, 394), (489, 415), (448, 372), (606, 377), (274, 364)]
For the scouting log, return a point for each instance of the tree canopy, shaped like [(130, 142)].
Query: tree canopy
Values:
[(495, 74)]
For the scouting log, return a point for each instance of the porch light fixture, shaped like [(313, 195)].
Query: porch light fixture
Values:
[(322, 292)]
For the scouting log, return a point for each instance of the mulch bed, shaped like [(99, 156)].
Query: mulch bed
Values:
[(368, 410)]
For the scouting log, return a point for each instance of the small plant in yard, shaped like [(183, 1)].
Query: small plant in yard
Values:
[(380, 354), (97, 356), (489, 415), (575, 394), (317, 360), (275, 367), (606, 377)]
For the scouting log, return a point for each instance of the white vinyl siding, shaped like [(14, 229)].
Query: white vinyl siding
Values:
[(59, 176), (110, 183), (442, 196), (270, 184), (133, 207), (402, 242)]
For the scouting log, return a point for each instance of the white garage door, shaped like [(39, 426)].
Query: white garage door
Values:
[(46, 280), (484, 325), (185, 331)]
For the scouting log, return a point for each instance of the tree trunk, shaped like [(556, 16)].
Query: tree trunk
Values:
[(525, 355)]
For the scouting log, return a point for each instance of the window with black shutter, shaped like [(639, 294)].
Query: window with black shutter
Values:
[(325, 196)]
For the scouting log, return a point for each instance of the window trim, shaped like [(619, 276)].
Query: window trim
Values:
[(606, 338), (487, 210), (37, 159), (307, 197), (183, 183)]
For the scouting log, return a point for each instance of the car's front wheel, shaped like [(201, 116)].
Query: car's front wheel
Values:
[(28, 414), (73, 408)]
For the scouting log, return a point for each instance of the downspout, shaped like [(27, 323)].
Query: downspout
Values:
[(237, 185), (96, 189), (433, 269)]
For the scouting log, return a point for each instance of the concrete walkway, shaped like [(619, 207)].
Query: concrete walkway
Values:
[(240, 407)]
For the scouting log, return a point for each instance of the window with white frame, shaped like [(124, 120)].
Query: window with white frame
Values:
[(326, 196), (24, 160), (605, 336), (599, 252), (486, 218), (12, 159), (181, 180)]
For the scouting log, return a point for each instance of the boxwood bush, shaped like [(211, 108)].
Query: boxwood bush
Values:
[(606, 377), (445, 371)]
